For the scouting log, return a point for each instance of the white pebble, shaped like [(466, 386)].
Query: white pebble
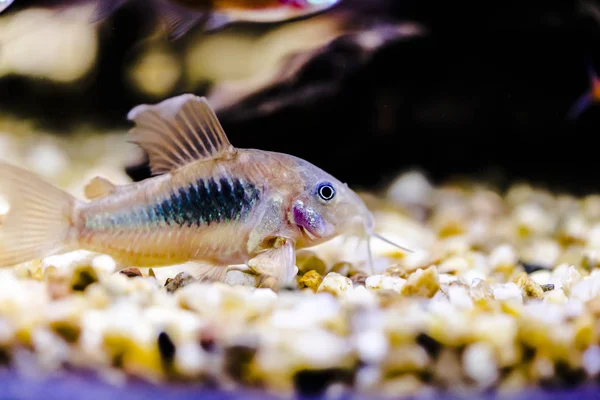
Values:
[(480, 364), (47, 160), (533, 217), (360, 296), (190, 359), (320, 348), (70, 259), (472, 275), (459, 297), (104, 263), (541, 277), (591, 360), (371, 345), (384, 282), (507, 291), (411, 188), (503, 255), (587, 288)]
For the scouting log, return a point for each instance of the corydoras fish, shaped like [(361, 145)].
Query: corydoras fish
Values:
[(181, 15), (208, 202)]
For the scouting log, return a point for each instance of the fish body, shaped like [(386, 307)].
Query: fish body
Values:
[(209, 202), (179, 16)]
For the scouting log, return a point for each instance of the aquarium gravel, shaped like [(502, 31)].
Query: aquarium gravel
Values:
[(501, 292)]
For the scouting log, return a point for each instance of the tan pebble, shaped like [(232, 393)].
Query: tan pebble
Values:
[(481, 291), (358, 277), (584, 331), (405, 385), (181, 279), (312, 280), (343, 268), (514, 382), (59, 288), (399, 271), (453, 265), (529, 287), (335, 284), (541, 367), (423, 283), (407, 358), (447, 369), (308, 261)]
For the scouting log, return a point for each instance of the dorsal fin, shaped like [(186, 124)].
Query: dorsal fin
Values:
[(178, 131), (99, 187)]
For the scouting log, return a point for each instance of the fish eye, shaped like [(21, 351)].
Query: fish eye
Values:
[(326, 191)]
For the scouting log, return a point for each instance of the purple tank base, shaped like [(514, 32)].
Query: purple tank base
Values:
[(72, 386)]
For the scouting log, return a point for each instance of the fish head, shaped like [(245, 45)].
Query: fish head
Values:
[(326, 207)]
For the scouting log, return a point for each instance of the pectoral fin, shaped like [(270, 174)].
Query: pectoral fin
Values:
[(99, 187), (277, 262)]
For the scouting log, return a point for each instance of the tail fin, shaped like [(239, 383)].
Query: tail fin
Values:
[(38, 222)]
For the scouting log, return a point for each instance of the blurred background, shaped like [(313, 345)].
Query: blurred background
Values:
[(366, 90)]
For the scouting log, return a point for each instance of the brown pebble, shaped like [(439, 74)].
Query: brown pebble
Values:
[(131, 272), (180, 280)]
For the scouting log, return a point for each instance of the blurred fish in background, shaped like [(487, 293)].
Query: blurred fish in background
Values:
[(590, 97), (393, 84), (179, 16)]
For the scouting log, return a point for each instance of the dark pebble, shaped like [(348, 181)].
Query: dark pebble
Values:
[(309, 383), (237, 359), (565, 377), (547, 287), (531, 268), (83, 277), (432, 346), (166, 347)]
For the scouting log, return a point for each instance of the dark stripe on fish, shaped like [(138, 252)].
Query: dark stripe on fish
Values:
[(208, 201), (200, 204)]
